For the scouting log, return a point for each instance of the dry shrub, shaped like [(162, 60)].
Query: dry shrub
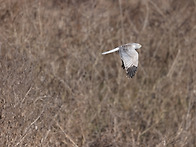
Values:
[(58, 90)]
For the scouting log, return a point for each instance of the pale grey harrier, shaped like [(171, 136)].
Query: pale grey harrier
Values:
[(129, 57)]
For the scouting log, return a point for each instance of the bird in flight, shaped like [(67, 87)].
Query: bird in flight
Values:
[(129, 57)]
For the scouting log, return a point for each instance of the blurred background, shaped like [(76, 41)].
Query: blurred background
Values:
[(56, 89)]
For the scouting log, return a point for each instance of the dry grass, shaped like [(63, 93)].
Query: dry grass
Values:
[(58, 90)]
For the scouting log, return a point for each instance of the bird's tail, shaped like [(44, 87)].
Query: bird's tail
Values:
[(111, 51)]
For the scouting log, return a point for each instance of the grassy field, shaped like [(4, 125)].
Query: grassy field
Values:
[(56, 89)]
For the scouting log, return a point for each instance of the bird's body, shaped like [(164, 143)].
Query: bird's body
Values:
[(129, 57)]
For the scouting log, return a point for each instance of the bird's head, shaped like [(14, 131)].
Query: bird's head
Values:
[(136, 45)]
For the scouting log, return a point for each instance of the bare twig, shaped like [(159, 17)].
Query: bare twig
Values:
[(174, 64), (27, 129), (122, 28), (66, 135)]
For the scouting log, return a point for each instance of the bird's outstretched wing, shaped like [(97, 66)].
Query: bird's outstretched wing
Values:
[(129, 58), (111, 51)]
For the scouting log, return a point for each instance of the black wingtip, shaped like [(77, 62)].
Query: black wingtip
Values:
[(123, 66), (131, 71)]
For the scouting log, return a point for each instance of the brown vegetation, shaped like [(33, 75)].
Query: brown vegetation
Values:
[(58, 90)]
